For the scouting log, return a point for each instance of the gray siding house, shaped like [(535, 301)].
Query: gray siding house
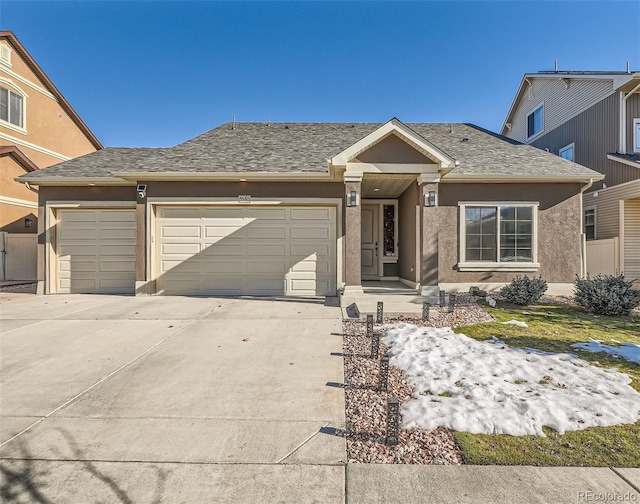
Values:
[(591, 118)]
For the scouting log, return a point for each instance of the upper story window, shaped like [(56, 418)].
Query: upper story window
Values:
[(5, 54), (636, 135), (498, 235), (11, 107), (567, 152), (535, 121)]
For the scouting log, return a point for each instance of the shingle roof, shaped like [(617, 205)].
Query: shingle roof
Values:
[(306, 147)]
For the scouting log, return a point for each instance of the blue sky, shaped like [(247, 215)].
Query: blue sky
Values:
[(159, 73)]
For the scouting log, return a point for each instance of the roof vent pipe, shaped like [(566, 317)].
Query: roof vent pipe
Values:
[(233, 122), (555, 66), (628, 70)]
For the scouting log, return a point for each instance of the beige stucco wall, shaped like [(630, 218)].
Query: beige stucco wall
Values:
[(558, 229), (47, 124)]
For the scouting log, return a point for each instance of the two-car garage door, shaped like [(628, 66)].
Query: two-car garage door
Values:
[(245, 250)]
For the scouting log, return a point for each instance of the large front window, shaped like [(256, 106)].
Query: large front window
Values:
[(11, 107), (498, 235)]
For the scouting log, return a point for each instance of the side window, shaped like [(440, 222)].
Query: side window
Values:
[(636, 135), (568, 152), (535, 121), (590, 223), (11, 107)]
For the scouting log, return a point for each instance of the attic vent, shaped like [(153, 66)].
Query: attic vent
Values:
[(5, 54), (465, 139)]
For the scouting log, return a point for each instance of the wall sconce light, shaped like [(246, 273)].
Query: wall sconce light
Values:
[(431, 199), (352, 199), (142, 190), (28, 222)]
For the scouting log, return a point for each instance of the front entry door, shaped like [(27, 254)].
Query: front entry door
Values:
[(369, 238)]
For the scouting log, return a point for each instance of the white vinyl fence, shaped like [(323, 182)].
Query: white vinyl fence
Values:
[(18, 256), (603, 257)]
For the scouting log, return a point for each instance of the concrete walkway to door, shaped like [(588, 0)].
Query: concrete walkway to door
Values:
[(170, 399)]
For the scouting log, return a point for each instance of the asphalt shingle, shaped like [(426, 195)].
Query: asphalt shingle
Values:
[(306, 147)]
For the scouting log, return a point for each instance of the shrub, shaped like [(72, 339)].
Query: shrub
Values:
[(606, 295), (524, 290)]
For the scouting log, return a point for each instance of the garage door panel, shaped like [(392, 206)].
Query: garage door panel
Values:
[(263, 249), (248, 250), (323, 214), (177, 231), (180, 213), (267, 214), (95, 250), (312, 233), (268, 267), (223, 267), (267, 232), (224, 249), (188, 248)]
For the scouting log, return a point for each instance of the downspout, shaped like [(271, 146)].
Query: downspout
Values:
[(623, 115), (583, 236)]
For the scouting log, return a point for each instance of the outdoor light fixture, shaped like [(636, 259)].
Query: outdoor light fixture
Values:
[(28, 222), (430, 199), (352, 199), (142, 190)]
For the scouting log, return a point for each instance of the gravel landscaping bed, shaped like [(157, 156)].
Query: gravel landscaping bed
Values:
[(366, 404)]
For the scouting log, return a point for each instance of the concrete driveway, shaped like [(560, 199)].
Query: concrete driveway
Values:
[(170, 399)]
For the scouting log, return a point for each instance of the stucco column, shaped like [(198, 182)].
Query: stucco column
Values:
[(41, 267), (429, 230), (142, 285), (352, 232)]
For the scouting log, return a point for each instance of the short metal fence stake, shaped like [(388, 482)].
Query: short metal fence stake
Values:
[(375, 345), (383, 376), (369, 325), (443, 298), (379, 313), (452, 302), (393, 421), (425, 310)]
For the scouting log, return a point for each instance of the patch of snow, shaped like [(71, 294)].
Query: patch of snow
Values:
[(495, 389), (490, 301), (519, 323), (627, 351)]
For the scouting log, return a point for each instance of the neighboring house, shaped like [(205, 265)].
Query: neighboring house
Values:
[(38, 128), (305, 209), (592, 118)]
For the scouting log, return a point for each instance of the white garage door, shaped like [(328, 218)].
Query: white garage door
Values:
[(96, 251), (246, 250)]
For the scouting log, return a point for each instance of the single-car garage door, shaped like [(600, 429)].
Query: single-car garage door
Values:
[(246, 250), (95, 251)]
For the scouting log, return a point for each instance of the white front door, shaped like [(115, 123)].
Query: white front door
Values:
[(369, 240)]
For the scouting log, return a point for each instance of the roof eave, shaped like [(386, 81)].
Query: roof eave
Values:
[(497, 179)]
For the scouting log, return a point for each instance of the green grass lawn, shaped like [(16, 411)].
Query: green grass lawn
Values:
[(554, 328)]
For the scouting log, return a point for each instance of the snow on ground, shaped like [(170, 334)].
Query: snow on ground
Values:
[(495, 389), (627, 351), (519, 323)]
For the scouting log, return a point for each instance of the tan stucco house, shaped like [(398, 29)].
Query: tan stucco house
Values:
[(310, 209), (38, 128)]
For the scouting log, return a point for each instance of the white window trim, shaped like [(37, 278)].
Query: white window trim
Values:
[(464, 265), (572, 145), (16, 90), (541, 104), (636, 140), (584, 221)]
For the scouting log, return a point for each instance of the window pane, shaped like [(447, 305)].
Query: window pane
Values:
[(637, 136), (538, 120), (590, 232), (4, 104), (524, 213), (15, 109), (480, 228), (507, 213), (516, 235)]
